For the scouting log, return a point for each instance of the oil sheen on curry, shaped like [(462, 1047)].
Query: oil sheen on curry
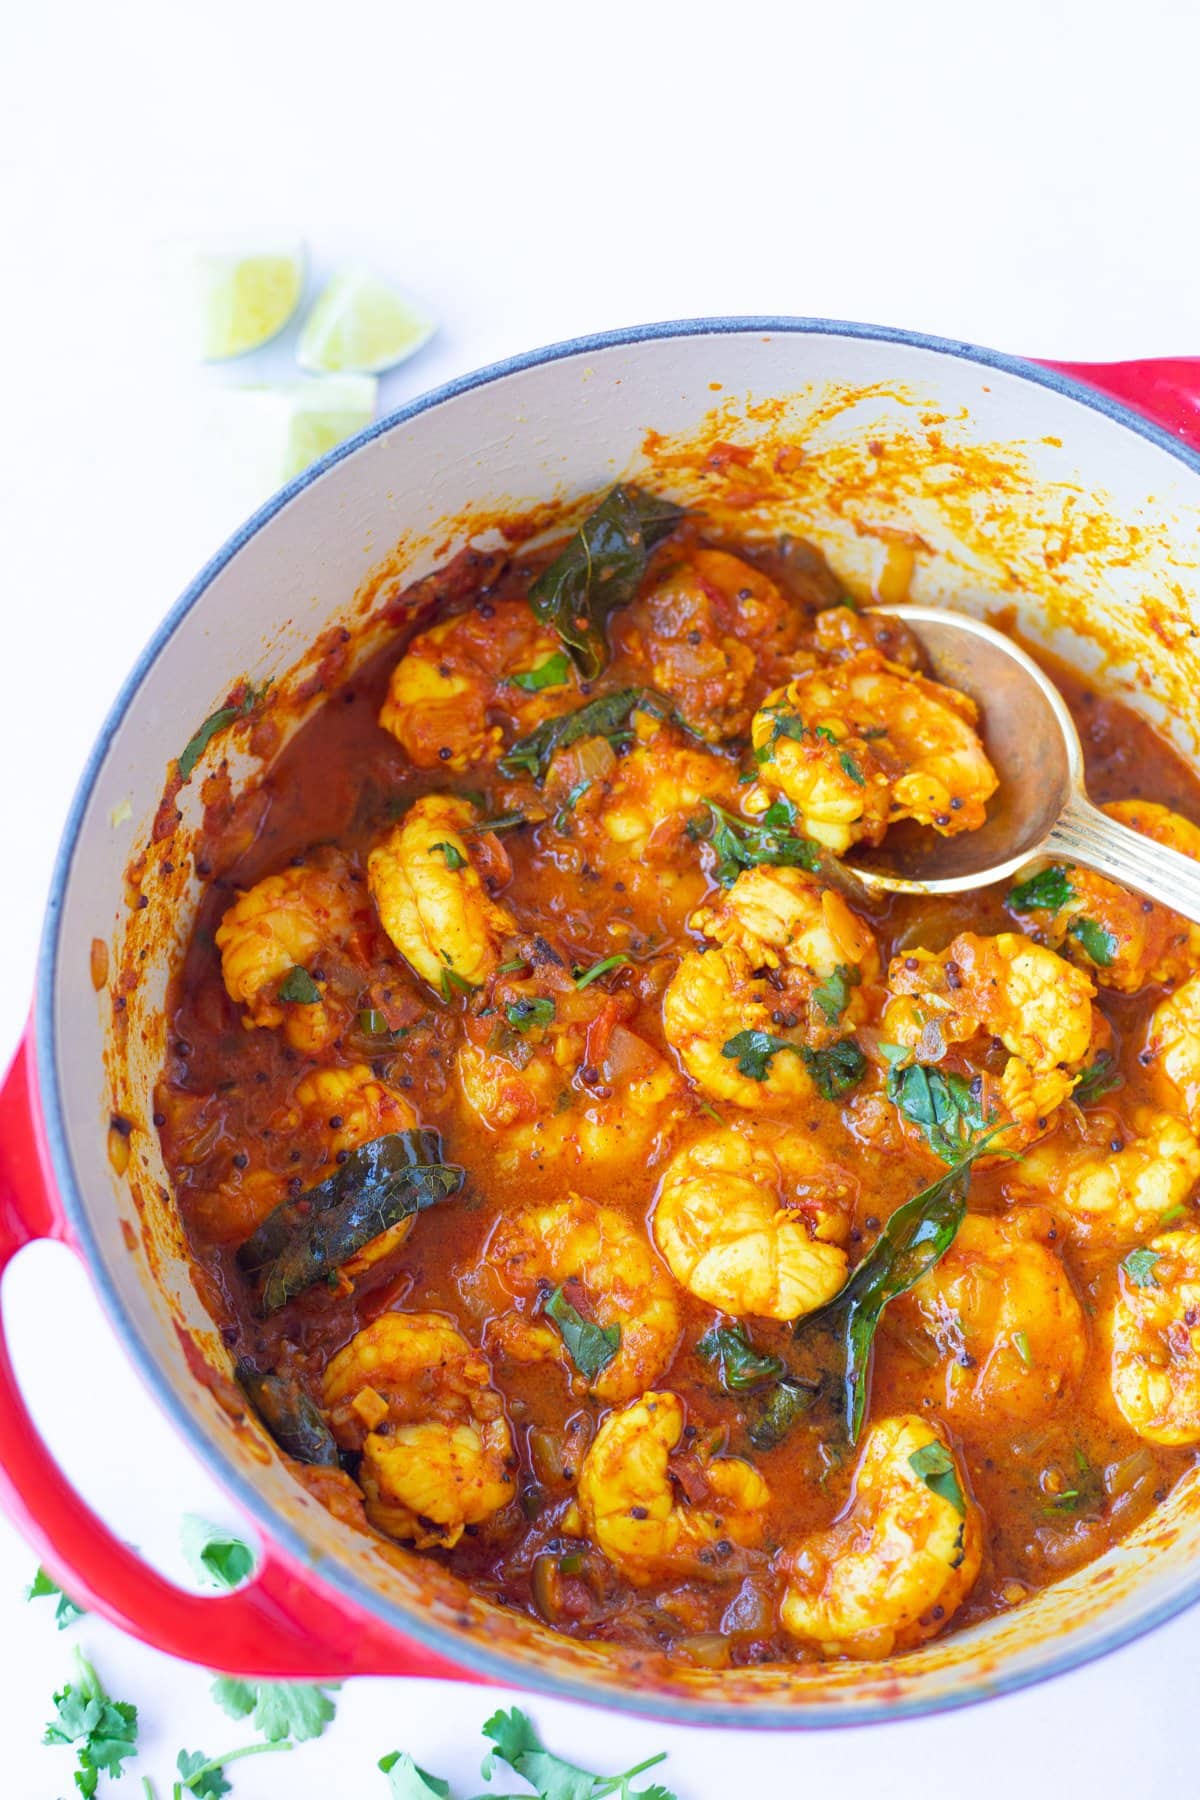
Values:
[(603, 1197)]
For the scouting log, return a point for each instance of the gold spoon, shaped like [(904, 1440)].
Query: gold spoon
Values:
[(1041, 810)]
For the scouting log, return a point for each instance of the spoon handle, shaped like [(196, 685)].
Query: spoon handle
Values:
[(1084, 834)]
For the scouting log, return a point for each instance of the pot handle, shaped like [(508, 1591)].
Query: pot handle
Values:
[(1165, 389), (281, 1625)]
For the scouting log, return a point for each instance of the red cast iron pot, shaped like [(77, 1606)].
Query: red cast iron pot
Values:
[(1113, 443)]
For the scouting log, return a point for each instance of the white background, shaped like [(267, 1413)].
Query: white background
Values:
[(1022, 175)]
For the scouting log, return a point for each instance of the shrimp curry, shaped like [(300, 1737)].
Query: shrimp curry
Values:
[(600, 1192)]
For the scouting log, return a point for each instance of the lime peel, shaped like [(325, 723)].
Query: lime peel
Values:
[(360, 324), (287, 427), (242, 299)]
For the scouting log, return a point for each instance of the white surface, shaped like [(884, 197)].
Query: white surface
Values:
[(1019, 175)]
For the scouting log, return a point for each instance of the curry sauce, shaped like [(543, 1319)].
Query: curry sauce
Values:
[(684, 1073)]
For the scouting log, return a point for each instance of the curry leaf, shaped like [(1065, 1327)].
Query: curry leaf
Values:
[(608, 717), (938, 1470), (1050, 888), (226, 715), (554, 672), (290, 1415), (835, 1069), (738, 1365), (913, 1241), (778, 1412), (600, 569), (307, 1237), (591, 1347)]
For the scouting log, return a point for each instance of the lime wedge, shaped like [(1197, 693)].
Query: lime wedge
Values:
[(242, 299), (275, 433), (358, 323)]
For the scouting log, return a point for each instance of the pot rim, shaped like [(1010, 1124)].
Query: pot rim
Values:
[(507, 1669)]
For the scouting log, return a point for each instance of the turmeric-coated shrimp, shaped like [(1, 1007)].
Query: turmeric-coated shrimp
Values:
[(862, 743), (275, 935), (894, 1568), (410, 1394), (432, 900), (1007, 987), (467, 680), (602, 1258), (1123, 941), (754, 1226), (631, 1509)]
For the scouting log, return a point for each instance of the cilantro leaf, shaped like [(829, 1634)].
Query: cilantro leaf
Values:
[(1087, 1496), (936, 1467), (453, 856), (216, 1556), (584, 977), (1101, 1077), (1138, 1267), (278, 1709), (784, 724), (200, 1776), (226, 715), (1049, 888), (591, 1347), (738, 1365), (204, 1776), (554, 672), (66, 1611), (102, 1732), (851, 768), (509, 821), (525, 1014), (517, 1744), (833, 994), (452, 982), (754, 1051), (299, 987), (743, 844), (835, 1069), (408, 1781), (1099, 944), (946, 1107)]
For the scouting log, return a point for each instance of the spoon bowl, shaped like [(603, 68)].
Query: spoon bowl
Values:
[(1040, 810)]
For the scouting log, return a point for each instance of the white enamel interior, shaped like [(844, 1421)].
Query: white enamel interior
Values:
[(571, 425)]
